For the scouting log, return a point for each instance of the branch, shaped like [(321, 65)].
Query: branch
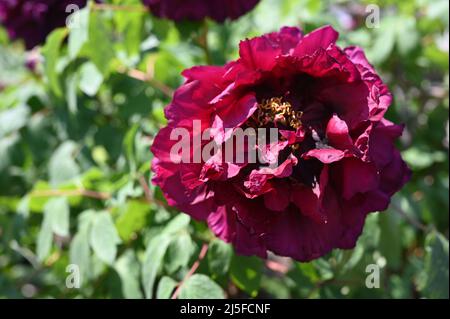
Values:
[(71, 193), (25, 253), (410, 219), (203, 43), (148, 194), (141, 76), (146, 188), (193, 269), (277, 267)]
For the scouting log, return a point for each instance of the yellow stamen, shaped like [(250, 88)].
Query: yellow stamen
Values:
[(274, 110)]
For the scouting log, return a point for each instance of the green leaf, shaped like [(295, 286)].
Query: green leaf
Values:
[(435, 280), (127, 267), (85, 219), (219, 257), (90, 79), (129, 144), (420, 159), (167, 68), (390, 243), (80, 253), (180, 222), (104, 238), (79, 31), (133, 218), (179, 252), (439, 9), (130, 24), (385, 41), (189, 29), (201, 287), (13, 119), (246, 273), (62, 166), (154, 256), (56, 220), (57, 210), (406, 25), (100, 47), (44, 240), (71, 92), (166, 287), (52, 52)]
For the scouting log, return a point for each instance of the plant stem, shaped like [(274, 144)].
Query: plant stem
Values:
[(203, 42), (74, 192), (193, 269)]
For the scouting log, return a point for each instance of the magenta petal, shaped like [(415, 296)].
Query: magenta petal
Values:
[(349, 101), (283, 170), (292, 234), (216, 169), (380, 98), (196, 10), (325, 155), (258, 182), (260, 53), (310, 200), (198, 203), (338, 134), (381, 143), (236, 114), (226, 226), (278, 198), (358, 177), (394, 175), (308, 203), (293, 137), (319, 38)]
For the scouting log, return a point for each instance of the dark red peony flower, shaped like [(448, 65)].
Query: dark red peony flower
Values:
[(335, 150), (33, 20), (218, 10)]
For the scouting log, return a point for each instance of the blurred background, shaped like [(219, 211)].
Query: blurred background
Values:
[(77, 118)]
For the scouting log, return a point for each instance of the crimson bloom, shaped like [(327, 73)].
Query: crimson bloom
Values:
[(194, 10), (336, 154), (33, 20)]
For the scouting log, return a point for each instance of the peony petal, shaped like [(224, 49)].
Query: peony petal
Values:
[(394, 175), (195, 10), (381, 143), (294, 235), (338, 134), (357, 176), (224, 223), (380, 98), (279, 198), (320, 38), (260, 53), (325, 155)]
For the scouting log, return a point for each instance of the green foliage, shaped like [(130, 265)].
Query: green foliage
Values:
[(75, 137), (219, 257), (201, 287), (246, 273), (435, 274)]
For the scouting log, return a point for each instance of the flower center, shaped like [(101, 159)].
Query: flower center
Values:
[(275, 110)]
